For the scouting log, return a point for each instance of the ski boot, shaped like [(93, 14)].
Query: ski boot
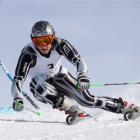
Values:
[(130, 111), (75, 115)]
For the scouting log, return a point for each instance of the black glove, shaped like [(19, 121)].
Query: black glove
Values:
[(18, 104), (83, 82)]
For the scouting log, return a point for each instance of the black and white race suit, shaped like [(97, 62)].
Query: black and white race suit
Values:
[(51, 81)]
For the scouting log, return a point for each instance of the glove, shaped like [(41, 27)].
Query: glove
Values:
[(18, 104), (83, 82)]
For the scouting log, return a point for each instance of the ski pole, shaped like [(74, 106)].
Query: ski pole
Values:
[(113, 84), (24, 94), (6, 71), (37, 113)]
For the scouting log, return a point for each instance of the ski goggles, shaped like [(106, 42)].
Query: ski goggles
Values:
[(43, 40)]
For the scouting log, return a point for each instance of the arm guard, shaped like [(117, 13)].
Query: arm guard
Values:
[(71, 54), (25, 62)]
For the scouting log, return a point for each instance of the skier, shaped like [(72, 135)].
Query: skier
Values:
[(50, 81)]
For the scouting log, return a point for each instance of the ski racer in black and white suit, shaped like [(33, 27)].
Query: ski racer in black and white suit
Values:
[(51, 82)]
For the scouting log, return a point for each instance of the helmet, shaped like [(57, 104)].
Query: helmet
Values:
[(42, 34), (42, 28)]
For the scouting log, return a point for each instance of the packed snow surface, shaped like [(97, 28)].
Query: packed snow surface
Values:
[(51, 126)]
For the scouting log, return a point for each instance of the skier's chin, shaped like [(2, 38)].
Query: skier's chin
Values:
[(44, 51)]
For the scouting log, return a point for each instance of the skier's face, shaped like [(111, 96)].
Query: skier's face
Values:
[(43, 43), (44, 48)]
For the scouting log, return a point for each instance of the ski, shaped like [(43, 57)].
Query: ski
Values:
[(73, 119)]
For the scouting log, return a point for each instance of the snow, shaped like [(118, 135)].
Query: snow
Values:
[(51, 126)]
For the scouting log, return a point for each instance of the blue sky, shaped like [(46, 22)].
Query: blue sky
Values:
[(105, 32)]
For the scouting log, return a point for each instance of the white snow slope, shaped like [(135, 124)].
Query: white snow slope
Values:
[(51, 126)]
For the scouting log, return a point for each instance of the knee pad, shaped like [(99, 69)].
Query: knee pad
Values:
[(45, 92), (39, 87), (38, 84)]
